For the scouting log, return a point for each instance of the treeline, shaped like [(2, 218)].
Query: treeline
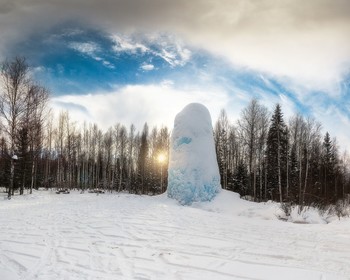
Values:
[(261, 156), (37, 150), (264, 157), (73, 157)]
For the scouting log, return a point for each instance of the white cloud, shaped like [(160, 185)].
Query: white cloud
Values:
[(127, 44), (312, 60), (175, 57), (167, 47), (108, 64), (336, 123), (88, 48), (334, 117), (167, 83), (137, 104), (147, 67), (171, 49)]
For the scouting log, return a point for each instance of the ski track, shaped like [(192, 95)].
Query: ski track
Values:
[(84, 236)]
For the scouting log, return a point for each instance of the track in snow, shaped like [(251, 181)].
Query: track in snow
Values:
[(84, 236)]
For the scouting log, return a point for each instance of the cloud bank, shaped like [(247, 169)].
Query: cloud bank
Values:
[(303, 42), (156, 104)]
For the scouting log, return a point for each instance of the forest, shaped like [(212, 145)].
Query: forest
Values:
[(262, 156)]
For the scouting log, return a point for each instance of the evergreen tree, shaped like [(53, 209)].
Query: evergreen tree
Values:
[(335, 172), (4, 163), (327, 165), (240, 179), (277, 144), (315, 177), (22, 147), (293, 175)]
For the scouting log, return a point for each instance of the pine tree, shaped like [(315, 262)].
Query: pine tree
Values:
[(327, 164), (22, 147), (293, 175), (4, 163), (277, 144), (315, 173), (335, 171), (240, 179)]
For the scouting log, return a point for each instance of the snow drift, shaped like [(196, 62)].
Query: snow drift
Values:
[(193, 173)]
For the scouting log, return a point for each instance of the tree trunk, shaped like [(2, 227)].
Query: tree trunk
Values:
[(305, 182), (279, 165), (10, 190), (254, 184), (33, 173), (265, 185), (260, 183), (120, 177), (287, 191), (300, 177)]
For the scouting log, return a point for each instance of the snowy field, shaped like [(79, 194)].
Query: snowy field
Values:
[(122, 236)]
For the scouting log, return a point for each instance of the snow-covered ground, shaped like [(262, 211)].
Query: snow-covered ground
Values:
[(122, 236)]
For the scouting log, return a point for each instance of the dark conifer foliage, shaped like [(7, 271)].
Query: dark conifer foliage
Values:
[(293, 176), (240, 179), (277, 155)]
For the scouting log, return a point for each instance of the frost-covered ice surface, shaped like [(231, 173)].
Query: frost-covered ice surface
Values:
[(193, 173), (110, 236)]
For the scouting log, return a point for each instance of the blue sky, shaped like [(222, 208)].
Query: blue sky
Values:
[(125, 61)]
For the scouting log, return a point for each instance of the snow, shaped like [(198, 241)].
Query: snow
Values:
[(122, 236), (193, 173)]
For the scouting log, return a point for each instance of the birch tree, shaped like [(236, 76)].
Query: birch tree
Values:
[(13, 101)]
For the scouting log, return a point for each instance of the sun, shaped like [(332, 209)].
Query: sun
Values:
[(161, 158)]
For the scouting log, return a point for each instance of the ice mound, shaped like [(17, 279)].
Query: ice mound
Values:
[(193, 173)]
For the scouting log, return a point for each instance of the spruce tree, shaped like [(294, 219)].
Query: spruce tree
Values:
[(327, 164), (277, 144), (240, 179), (293, 175), (22, 147)]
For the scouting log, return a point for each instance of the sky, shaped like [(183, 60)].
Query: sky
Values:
[(129, 61)]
